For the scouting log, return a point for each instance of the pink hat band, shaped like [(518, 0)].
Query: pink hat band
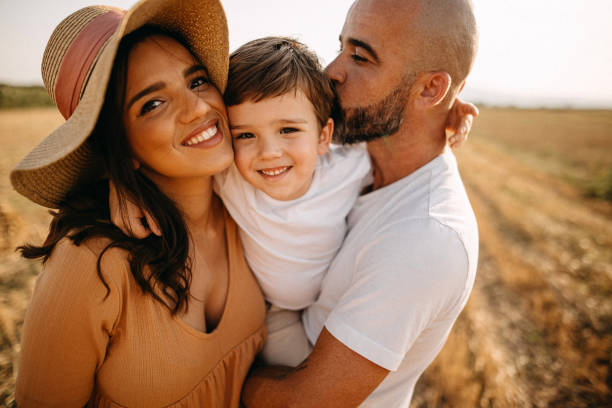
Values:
[(80, 58)]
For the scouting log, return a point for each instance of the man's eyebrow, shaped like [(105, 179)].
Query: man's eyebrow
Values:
[(149, 89), (358, 43)]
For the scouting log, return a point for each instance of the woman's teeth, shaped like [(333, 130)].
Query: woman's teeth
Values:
[(274, 172), (205, 135)]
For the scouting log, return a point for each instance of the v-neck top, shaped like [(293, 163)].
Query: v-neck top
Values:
[(81, 347)]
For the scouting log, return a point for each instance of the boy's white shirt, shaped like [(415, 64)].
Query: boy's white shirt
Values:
[(290, 244)]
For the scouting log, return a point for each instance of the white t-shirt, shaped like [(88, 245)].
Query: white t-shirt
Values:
[(290, 244), (402, 276)]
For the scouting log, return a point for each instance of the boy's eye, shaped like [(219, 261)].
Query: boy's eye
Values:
[(287, 130), (149, 106), (244, 136), (198, 82)]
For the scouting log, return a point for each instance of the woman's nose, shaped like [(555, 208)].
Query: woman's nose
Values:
[(193, 107)]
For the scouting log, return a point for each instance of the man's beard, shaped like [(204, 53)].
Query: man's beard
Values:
[(380, 119)]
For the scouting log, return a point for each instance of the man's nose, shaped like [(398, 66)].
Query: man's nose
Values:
[(335, 72)]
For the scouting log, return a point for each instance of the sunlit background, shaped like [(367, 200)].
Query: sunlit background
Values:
[(554, 53), (536, 331)]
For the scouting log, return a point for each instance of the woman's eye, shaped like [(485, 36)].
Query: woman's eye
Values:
[(244, 136), (149, 106), (287, 130), (199, 81)]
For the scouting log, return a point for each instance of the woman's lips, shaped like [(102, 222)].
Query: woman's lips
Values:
[(204, 135)]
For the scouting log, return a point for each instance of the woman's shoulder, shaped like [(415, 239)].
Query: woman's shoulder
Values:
[(89, 248), (77, 263)]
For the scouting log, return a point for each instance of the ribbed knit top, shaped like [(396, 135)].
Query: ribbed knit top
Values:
[(127, 350)]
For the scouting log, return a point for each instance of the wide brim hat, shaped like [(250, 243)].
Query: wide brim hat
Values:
[(76, 67)]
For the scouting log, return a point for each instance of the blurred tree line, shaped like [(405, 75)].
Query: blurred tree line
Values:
[(23, 96)]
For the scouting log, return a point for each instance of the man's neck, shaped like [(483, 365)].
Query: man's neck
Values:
[(395, 157)]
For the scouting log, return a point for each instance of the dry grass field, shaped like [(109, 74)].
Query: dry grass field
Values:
[(537, 331)]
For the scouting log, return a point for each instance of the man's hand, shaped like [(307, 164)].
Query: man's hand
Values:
[(332, 376), (459, 122), (136, 222)]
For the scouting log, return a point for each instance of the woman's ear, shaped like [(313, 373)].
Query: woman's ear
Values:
[(135, 164), (434, 88), (325, 137)]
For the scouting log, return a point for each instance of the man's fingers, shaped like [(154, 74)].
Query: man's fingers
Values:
[(470, 109), (115, 211), (467, 108), (136, 228), (152, 224), (135, 222)]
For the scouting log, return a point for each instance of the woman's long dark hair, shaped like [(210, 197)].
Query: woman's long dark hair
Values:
[(157, 263)]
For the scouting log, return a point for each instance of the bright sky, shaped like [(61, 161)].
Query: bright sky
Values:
[(532, 52)]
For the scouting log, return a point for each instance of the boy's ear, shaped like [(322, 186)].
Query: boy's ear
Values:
[(325, 137)]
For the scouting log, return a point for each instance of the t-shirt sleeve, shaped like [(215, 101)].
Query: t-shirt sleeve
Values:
[(67, 329), (410, 275)]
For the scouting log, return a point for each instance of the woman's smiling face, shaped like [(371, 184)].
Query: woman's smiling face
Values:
[(174, 116)]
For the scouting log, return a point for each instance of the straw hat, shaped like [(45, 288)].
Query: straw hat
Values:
[(76, 66)]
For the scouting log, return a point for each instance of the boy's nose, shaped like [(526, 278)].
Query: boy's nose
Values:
[(269, 148)]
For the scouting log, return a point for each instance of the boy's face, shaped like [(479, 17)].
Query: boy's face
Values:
[(276, 143)]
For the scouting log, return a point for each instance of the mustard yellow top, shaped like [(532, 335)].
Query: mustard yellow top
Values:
[(127, 350)]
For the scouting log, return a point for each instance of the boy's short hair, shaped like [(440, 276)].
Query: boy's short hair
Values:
[(272, 66)]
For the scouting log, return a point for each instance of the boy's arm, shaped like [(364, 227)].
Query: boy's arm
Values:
[(332, 374)]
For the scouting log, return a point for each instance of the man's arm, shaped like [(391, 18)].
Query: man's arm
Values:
[(333, 375)]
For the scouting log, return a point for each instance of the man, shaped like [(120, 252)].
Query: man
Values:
[(408, 262)]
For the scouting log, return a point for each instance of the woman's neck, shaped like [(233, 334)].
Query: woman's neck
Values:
[(195, 200)]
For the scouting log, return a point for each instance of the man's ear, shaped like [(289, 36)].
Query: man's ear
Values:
[(434, 86), (325, 137)]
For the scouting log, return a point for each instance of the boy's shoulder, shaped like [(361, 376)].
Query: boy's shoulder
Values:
[(348, 157), (341, 172), (353, 150)]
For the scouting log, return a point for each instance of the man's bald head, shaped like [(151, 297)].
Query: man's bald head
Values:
[(437, 35)]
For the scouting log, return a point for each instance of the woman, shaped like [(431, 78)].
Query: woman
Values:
[(174, 320)]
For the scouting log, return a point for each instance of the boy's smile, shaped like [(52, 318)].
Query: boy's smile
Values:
[(276, 143)]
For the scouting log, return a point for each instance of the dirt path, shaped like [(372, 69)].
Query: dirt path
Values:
[(536, 331)]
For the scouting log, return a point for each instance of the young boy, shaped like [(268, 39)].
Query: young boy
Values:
[(288, 191)]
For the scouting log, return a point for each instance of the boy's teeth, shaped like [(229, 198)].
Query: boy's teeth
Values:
[(205, 135), (275, 172)]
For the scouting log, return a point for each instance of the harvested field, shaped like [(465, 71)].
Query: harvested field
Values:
[(537, 331)]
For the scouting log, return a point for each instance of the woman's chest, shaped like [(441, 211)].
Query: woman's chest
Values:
[(155, 359)]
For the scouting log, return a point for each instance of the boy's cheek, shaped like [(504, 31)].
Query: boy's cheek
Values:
[(242, 160)]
